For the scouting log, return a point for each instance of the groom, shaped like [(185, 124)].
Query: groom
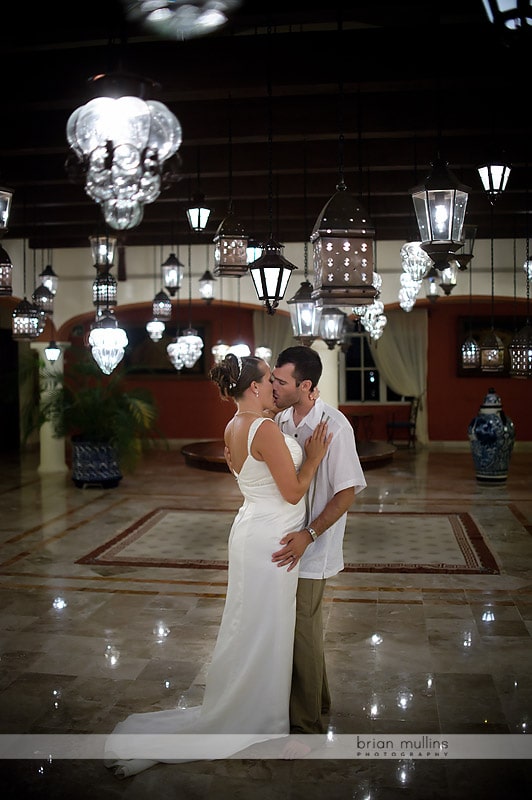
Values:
[(319, 545)]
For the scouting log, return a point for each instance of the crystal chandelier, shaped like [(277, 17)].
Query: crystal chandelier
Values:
[(107, 341), (155, 329), (219, 351), (180, 19), (122, 142), (415, 261), (263, 352)]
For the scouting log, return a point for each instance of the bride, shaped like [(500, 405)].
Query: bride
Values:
[(247, 689)]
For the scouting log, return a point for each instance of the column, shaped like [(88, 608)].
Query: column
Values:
[(52, 449), (329, 379)]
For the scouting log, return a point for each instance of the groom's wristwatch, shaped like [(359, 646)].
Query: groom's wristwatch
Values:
[(312, 533)]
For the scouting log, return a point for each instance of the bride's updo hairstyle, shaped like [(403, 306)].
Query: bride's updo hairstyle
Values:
[(234, 375)]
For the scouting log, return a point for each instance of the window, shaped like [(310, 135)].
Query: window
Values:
[(360, 380)]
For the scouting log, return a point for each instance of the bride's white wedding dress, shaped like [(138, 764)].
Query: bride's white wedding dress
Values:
[(247, 690)]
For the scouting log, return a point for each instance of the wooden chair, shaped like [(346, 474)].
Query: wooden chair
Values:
[(406, 427)]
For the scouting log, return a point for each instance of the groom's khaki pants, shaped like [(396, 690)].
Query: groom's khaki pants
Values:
[(309, 696)]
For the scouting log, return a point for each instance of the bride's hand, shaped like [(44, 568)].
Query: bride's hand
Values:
[(318, 443)]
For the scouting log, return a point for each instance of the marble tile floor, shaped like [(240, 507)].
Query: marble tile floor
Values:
[(82, 646)]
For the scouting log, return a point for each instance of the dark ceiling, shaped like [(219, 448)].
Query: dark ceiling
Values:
[(271, 107)]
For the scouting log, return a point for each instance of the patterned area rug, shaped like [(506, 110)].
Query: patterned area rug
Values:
[(374, 542)]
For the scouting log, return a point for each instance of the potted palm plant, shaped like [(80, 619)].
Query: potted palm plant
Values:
[(108, 424)]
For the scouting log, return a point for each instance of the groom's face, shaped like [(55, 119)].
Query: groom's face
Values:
[(286, 391)]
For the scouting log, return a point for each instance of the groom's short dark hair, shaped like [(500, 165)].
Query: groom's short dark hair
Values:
[(307, 363)]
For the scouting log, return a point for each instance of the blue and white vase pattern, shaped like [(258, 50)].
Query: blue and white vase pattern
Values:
[(491, 436)]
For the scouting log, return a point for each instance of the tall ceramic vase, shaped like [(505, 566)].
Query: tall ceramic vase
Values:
[(491, 435)]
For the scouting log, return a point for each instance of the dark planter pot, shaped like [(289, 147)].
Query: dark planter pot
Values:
[(94, 464)]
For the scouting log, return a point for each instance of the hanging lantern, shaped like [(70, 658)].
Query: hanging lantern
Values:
[(107, 341), (6, 196), (162, 306), (463, 256), (219, 351), (52, 352), (26, 321), (520, 349), (206, 286), (121, 142), (527, 269), (239, 349), (6, 274), (198, 213), (104, 290), (230, 247), (491, 353), (304, 314), (448, 277), (440, 205), (512, 15), (253, 250), (332, 326), (175, 354), (271, 273), (494, 177), (263, 352), (190, 346), (155, 329), (172, 270), (470, 354), (342, 239), (43, 299), (431, 284), (103, 252), (49, 278)]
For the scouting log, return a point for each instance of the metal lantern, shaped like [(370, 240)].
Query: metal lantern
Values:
[(26, 321), (162, 306), (6, 195), (494, 177), (206, 286), (491, 353), (198, 213), (512, 15), (49, 278), (332, 326), (6, 273), (431, 284), (470, 354), (342, 239), (104, 290), (43, 299), (230, 248), (271, 273), (520, 349), (440, 204), (304, 314), (448, 277), (103, 252), (173, 271), (52, 352)]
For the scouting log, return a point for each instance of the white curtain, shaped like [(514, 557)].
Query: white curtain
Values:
[(273, 331), (401, 358)]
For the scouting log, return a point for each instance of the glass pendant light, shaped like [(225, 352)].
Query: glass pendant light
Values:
[(494, 177), (122, 142), (155, 329), (332, 326), (107, 341), (206, 283), (198, 212)]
